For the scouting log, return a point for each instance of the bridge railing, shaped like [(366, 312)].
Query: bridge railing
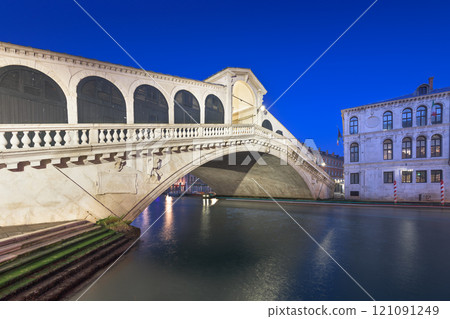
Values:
[(33, 136), (27, 137)]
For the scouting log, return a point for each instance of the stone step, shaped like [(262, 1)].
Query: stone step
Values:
[(56, 264), (38, 251), (21, 274), (63, 282), (41, 232), (43, 238)]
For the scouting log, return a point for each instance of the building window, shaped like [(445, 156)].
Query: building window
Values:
[(354, 178), (436, 114), (421, 147), (354, 125), (436, 142), (421, 116), (354, 152), (436, 175), (387, 120), (406, 176), (387, 150), (388, 177), (407, 117), (406, 147), (421, 176)]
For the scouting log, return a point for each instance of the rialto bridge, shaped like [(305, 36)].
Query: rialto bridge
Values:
[(84, 139)]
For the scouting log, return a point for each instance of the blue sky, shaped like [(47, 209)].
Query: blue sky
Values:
[(394, 48)]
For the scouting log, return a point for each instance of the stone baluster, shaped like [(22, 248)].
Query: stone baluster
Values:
[(68, 138), (84, 137), (14, 140), (57, 138), (3, 141), (122, 135), (115, 136), (141, 134), (47, 139), (26, 140), (108, 136), (37, 140), (101, 137)]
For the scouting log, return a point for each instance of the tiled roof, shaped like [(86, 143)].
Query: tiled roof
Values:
[(414, 94)]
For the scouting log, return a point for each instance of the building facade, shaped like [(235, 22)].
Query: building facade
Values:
[(333, 165), (403, 142)]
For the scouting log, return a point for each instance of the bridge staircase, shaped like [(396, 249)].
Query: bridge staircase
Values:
[(48, 264)]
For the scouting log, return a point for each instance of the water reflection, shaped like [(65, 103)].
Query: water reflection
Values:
[(235, 250), (167, 232)]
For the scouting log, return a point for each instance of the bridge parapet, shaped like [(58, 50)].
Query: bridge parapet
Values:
[(58, 143)]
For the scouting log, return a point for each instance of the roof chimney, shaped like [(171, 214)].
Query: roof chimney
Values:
[(430, 83)]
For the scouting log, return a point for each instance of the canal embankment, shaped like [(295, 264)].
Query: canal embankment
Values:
[(49, 263), (341, 202)]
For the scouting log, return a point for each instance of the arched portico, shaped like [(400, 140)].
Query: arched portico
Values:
[(243, 103)]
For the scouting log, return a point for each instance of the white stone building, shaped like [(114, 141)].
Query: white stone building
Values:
[(403, 140)]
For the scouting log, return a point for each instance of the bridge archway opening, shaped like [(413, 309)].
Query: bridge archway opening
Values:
[(187, 108), (214, 113), (235, 174), (28, 96), (100, 101), (150, 105), (243, 104)]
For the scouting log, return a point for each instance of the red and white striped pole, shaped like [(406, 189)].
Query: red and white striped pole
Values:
[(395, 192), (442, 192)]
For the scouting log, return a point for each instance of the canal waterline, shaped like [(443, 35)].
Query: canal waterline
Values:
[(240, 250)]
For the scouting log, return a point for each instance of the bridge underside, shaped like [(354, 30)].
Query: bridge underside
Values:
[(235, 175)]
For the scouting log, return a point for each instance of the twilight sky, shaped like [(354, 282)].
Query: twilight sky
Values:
[(394, 48)]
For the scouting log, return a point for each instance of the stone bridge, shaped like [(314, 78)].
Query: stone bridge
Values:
[(83, 139)]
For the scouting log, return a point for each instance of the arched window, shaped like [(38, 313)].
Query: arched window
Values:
[(354, 152), (436, 114), (29, 96), (187, 109), (100, 101), (436, 142), (387, 120), (266, 124), (354, 125), (213, 110), (150, 105), (279, 132), (407, 117), (387, 150), (406, 147), (421, 116), (421, 147)]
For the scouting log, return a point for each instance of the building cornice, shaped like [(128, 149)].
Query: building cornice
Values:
[(396, 102), (18, 50)]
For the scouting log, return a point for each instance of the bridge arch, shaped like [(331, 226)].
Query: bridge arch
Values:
[(279, 180), (77, 77), (187, 109), (243, 103), (214, 110), (150, 105), (28, 95), (100, 101)]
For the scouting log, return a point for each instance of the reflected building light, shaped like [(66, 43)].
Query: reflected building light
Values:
[(146, 217), (167, 231)]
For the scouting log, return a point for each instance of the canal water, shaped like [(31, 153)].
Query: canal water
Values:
[(242, 250)]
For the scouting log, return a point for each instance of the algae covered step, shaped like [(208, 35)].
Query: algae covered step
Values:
[(17, 274), (64, 260)]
